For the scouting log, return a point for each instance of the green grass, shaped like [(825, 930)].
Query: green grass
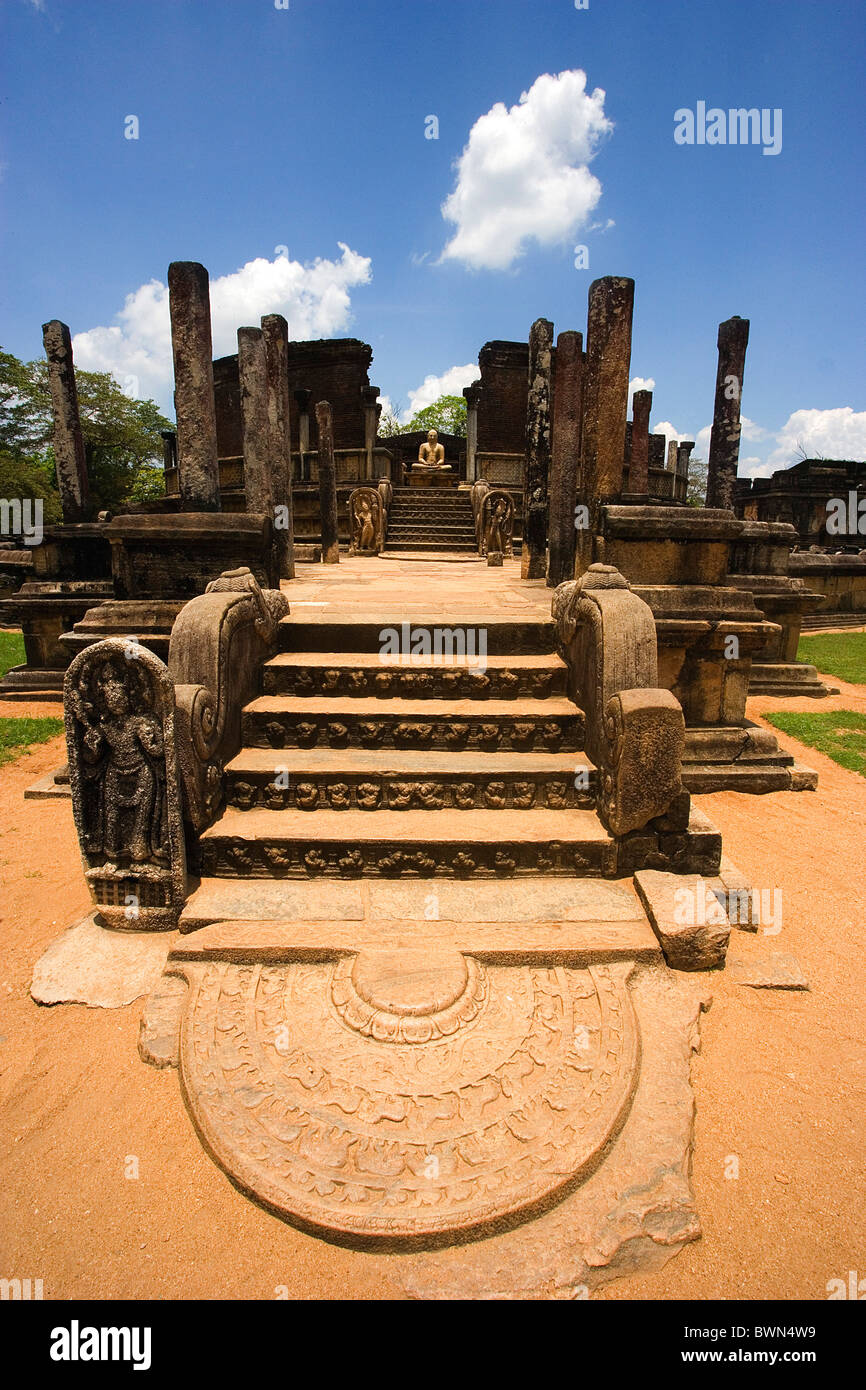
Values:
[(11, 650), (16, 735), (841, 654), (841, 735)]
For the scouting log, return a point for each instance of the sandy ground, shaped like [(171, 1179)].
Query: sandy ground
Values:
[(779, 1087)]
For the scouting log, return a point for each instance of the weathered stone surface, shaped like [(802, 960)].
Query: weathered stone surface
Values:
[(537, 468), (104, 969), (276, 336), (641, 773), (189, 306), (69, 458), (565, 456), (120, 734), (258, 439), (159, 1030), (632, 1214), (774, 970), (608, 355), (725, 434), (687, 917), (327, 485), (218, 643), (638, 478)]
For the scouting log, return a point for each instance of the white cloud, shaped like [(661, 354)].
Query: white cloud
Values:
[(670, 432), (313, 298), (834, 434), (450, 383), (524, 174), (639, 383)]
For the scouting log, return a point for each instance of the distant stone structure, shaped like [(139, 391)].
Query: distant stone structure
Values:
[(802, 496)]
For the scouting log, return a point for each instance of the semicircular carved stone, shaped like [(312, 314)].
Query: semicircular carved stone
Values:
[(408, 1100)]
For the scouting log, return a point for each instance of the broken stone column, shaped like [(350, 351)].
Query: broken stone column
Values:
[(276, 335), (69, 457), (684, 450), (471, 395), (372, 411), (537, 466), (565, 455), (608, 355), (672, 456), (253, 377), (189, 306), (638, 478), (302, 401), (725, 436), (327, 485)]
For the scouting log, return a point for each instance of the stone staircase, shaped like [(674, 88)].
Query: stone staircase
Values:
[(433, 518)]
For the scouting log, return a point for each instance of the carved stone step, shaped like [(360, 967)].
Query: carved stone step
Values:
[(564, 922), (280, 721), (359, 779), (423, 844), (366, 673), (307, 629)]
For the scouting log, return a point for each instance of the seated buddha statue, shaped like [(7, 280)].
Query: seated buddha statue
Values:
[(431, 456)]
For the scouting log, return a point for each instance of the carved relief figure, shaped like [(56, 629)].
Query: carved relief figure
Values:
[(497, 523), (122, 764), (365, 518)]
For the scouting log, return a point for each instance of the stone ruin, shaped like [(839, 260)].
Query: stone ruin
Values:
[(498, 1090)]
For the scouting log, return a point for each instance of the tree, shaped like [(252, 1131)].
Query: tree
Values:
[(448, 414), (696, 492), (389, 422), (122, 443)]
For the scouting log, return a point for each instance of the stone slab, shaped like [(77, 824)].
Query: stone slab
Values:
[(701, 940), (775, 970), (632, 1215), (226, 899), (541, 900), (103, 969), (47, 789), (575, 944)]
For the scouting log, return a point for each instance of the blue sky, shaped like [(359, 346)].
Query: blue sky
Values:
[(304, 128)]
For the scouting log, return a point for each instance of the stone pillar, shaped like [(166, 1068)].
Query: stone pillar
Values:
[(275, 331), (725, 436), (370, 396), (302, 401), (537, 466), (565, 455), (253, 377), (608, 355), (69, 457), (189, 306), (471, 395), (327, 485), (672, 456), (169, 449), (638, 477), (681, 486)]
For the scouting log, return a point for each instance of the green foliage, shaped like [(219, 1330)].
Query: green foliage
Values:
[(17, 735), (447, 414), (696, 492), (389, 422), (11, 650), (841, 654), (840, 734), (121, 438)]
